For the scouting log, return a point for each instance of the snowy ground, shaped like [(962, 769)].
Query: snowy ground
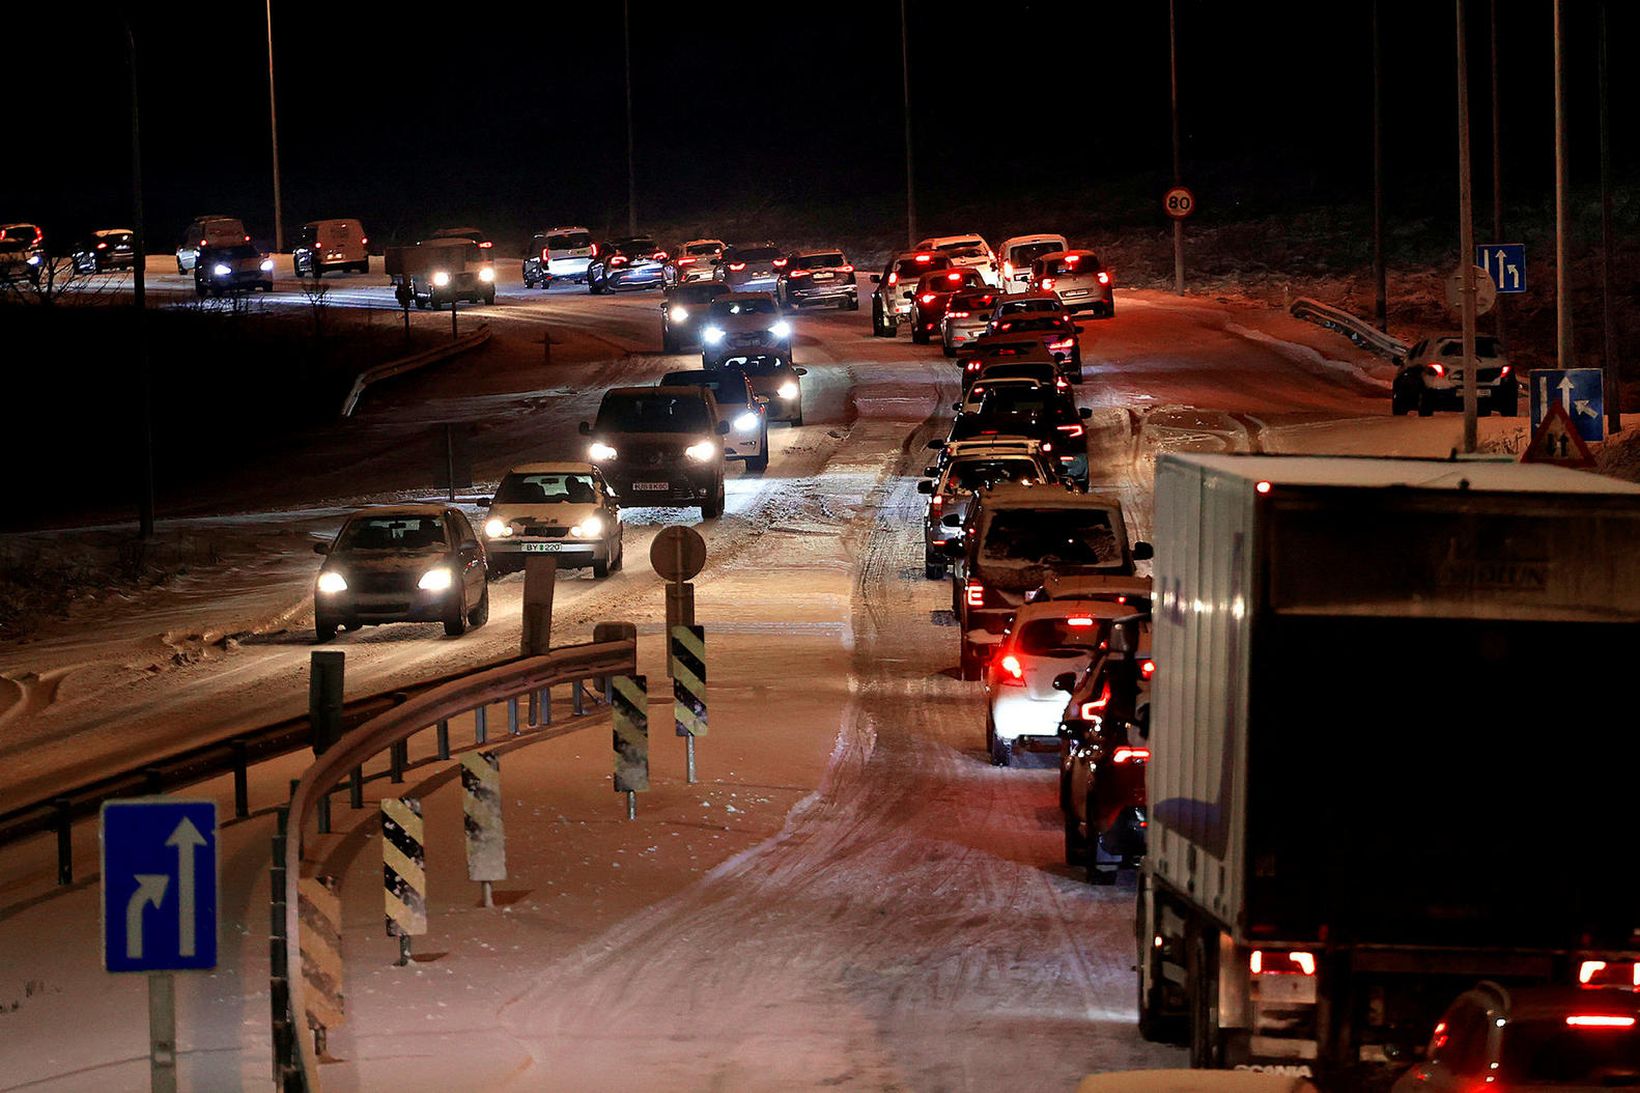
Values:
[(852, 896)]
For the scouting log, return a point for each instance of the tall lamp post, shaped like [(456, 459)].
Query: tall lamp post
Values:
[(1178, 169), (905, 83), (139, 285), (273, 128), (631, 168), (1466, 238)]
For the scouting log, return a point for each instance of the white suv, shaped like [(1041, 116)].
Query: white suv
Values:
[(966, 252)]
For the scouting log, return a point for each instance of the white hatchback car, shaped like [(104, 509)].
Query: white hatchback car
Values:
[(1018, 252), (965, 252), (562, 509), (696, 260), (1023, 708)]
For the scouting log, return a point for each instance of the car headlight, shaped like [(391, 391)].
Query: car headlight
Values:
[(788, 390), (588, 528), (440, 279), (781, 329), (487, 275), (34, 259), (701, 451), (599, 450), (434, 580), (497, 528), (267, 265), (747, 422), (712, 335), (221, 270), (331, 582), (678, 314)]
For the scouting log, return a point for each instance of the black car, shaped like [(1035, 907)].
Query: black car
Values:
[(776, 379), (108, 248), (989, 349), (1036, 413), (660, 446), (634, 261), (1058, 332), (1104, 748), (819, 277), (237, 267), (683, 312)]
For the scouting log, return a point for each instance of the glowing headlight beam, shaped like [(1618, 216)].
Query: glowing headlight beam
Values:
[(434, 580), (331, 582), (712, 335), (701, 452)]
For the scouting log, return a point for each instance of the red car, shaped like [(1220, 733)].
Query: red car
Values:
[(933, 295)]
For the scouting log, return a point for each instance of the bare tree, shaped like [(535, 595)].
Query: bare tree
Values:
[(47, 280)]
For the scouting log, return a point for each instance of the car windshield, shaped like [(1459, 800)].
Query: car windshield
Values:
[(1554, 1052), (406, 533), (1026, 253), (238, 250), (756, 254), (1484, 347), (695, 292), (543, 489), (957, 245), (569, 241), (1071, 265), (757, 366), (1019, 324), (1016, 398), (819, 261), (1010, 307), (1039, 637), (756, 306), (728, 387), (657, 413), (703, 248), (972, 301), (910, 267), (976, 474), (1057, 536)]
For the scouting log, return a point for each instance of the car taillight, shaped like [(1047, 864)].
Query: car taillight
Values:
[(594, 250), (1013, 672), (845, 269), (780, 263), (1104, 278), (925, 257), (1130, 755), (971, 366), (1096, 709), (1262, 963), (1007, 269), (894, 278), (247, 239), (1504, 371), (1063, 344), (974, 594), (953, 277), (660, 256), (686, 261), (1437, 369), (1148, 669), (1079, 621), (736, 267), (364, 241), (936, 502), (957, 314), (544, 257), (619, 259), (1047, 284), (797, 273), (483, 245), (1071, 430), (927, 297), (1601, 973), (102, 246), (1072, 259), (1599, 1020)]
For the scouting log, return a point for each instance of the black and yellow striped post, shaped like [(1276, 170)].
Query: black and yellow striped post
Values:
[(320, 910), (630, 701), (481, 819), (404, 871), (689, 688)]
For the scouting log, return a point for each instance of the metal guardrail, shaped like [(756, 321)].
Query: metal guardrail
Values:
[(1353, 327), (411, 363), (234, 753), (391, 728)]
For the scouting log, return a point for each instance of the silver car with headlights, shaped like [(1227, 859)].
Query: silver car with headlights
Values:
[(562, 509), (743, 323), (776, 380), (402, 563)]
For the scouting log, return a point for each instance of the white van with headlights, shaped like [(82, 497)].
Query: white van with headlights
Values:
[(208, 231), (1017, 253), (561, 509), (330, 244)]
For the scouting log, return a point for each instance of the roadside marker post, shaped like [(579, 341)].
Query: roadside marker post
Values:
[(535, 638), (319, 908), (677, 555), (481, 820), (630, 709), (404, 871), (689, 689)]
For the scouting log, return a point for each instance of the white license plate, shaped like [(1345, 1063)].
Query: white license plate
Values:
[(541, 548), (651, 485), (1074, 293), (823, 276)]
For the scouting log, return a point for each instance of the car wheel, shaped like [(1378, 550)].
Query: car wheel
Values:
[(1102, 871), (919, 333), (933, 568), (949, 349), (1398, 403), (323, 629), (455, 623), (489, 297), (1510, 407), (600, 570), (968, 664), (296, 268), (594, 288), (877, 325), (480, 615), (761, 463), (1002, 752), (1076, 847), (853, 303), (1426, 404), (712, 507)]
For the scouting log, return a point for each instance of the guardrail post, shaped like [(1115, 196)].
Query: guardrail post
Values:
[(325, 698), (322, 812), (480, 726), (241, 782), (512, 715), (543, 698), (355, 789), (284, 1042), (612, 631), (396, 759), (578, 698), (64, 824), (443, 733)]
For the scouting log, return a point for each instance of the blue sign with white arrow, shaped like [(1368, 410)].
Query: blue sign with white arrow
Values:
[(159, 885), (1505, 263), (1580, 391)]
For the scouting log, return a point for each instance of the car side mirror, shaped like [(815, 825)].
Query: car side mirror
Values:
[(1080, 329), (935, 445), (957, 406), (723, 428), (925, 486), (1085, 412), (321, 548), (1065, 681), (586, 428), (801, 371), (876, 278), (484, 502), (1143, 551), (931, 472), (950, 520)]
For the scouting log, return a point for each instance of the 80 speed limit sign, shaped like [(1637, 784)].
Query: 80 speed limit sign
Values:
[(1179, 203)]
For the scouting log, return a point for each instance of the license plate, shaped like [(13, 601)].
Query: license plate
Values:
[(1074, 293), (541, 548), (823, 276), (653, 486)]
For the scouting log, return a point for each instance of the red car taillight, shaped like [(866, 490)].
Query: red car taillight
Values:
[(845, 269), (958, 314), (1104, 278), (1013, 672), (485, 245), (1062, 345), (1072, 430), (927, 297), (798, 273), (660, 256), (1047, 284), (780, 263), (1130, 755), (1148, 669), (686, 261), (544, 257), (1437, 369), (736, 267), (619, 259)]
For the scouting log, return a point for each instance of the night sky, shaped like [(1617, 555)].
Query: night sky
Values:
[(514, 118)]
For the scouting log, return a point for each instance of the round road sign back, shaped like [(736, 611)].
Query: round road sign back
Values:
[(1179, 202), (678, 553), (1486, 291)]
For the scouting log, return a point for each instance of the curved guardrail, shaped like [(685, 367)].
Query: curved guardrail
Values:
[(411, 363), (1353, 327), (394, 726)]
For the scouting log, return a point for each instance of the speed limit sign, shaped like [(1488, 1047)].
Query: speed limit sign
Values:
[(1179, 203)]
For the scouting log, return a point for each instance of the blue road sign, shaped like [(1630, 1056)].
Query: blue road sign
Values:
[(159, 885), (1505, 263), (1579, 390)]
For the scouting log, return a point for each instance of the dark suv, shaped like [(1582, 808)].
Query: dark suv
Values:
[(819, 277), (660, 446)]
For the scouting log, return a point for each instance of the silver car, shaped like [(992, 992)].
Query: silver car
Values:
[(754, 268), (696, 260), (1078, 278), (402, 563), (743, 324), (562, 509), (966, 318)]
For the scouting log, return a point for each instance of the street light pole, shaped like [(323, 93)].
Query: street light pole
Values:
[(1613, 382), (1380, 278), (631, 168), (1497, 164), (1178, 171), (1563, 273), (139, 299), (273, 128), (1466, 238), (910, 183)]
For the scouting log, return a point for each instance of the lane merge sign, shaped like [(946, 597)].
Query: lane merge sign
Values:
[(1179, 202), (159, 885), (1580, 392), (1505, 265)]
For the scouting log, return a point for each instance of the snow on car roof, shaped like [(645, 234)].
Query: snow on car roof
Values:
[(1422, 474), (378, 511), (1047, 496)]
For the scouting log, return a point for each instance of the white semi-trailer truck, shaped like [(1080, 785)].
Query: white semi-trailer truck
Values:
[(1395, 749)]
